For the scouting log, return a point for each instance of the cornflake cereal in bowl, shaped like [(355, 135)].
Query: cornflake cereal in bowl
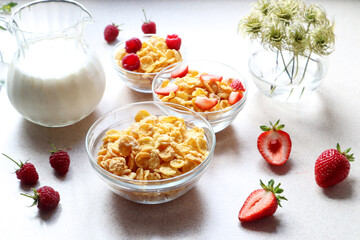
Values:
[(138, 60), (214, 90), (150, 152)]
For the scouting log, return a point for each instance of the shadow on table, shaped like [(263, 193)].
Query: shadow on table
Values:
[(139, 97), (174, 218), (227, 141), (268, 224), (49, 217), (343, 190), (62, 137)]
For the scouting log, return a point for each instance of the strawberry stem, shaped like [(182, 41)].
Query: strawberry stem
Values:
[(275, 190), (20, 165), (350, 157), (274, 127)]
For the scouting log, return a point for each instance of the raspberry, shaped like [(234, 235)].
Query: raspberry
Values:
[(173, 41), (133, 45), (148, 26), (131, 62), (111, 32), (45, 197), (26, 173), (59, 160), (236, 84)]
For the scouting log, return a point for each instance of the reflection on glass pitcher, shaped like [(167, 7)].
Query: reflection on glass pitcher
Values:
[(54, 78)]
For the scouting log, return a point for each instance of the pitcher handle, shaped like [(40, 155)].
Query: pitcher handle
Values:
[(3, 65)]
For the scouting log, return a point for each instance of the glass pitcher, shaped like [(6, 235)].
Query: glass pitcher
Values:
[(54, 79)]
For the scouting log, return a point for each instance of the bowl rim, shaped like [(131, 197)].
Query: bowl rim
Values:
[(151, 184), (119, 69), (323, 59), (236, 105)]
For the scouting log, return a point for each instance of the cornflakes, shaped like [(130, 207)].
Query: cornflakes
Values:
[(153, 148)]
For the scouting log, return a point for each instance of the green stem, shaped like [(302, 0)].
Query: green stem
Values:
[(145, 15), (293, 67), (302, 92), (297, 66), (12, 159), (292, 90), (284, 69), (282, 56), (306, 65)]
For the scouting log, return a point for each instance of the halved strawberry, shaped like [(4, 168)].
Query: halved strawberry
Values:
[(167, 90), (208, 77), (274, 144), (205, 103), (262, 202), (235, 97), (180, 72)]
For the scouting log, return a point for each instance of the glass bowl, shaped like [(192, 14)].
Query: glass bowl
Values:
[(220, 119), (140, 82), (147, 191)]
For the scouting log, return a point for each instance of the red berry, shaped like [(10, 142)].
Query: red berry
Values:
[(237, 85), (173, 41), (148, 27), (59, 160), (26, 173), (111, 32), (131, 62), (133, 45), (274, 144), (262, 202), (332, 166), (45, 197)]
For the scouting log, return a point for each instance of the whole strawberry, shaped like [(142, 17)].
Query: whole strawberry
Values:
[(45, 197), (26, 173), (59, 160), (274, 144), (262, 202), (111, 32), (148, 27), (332, 166)]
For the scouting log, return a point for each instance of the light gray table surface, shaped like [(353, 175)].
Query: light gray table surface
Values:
[(89, 210)]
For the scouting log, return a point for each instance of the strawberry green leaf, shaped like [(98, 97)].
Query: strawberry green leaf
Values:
[(276, 191)]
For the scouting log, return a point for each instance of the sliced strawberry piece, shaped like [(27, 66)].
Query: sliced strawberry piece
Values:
[(235, 97), (262, 202), (205, 103), (209, 78), (274, 144), (180, 72), (167, 90)]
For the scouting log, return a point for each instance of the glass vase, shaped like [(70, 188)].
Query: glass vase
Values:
[(286, 76)]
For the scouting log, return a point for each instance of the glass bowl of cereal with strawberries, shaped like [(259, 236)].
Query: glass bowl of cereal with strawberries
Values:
[(138, 60), (214, 90), (150, 152)]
